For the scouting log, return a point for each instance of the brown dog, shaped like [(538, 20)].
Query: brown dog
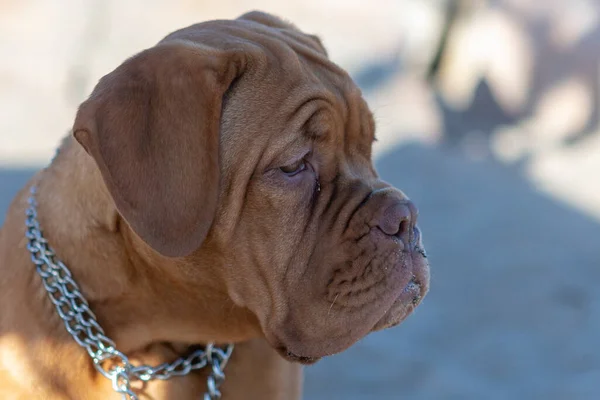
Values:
[(220, 189)]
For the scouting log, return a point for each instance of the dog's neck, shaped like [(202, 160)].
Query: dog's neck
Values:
[(128, 286), (143, 307)]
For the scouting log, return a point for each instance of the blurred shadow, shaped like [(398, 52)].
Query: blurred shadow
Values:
[(11, 181), (552, 65), (513, 312), (481, 118), (376, 73)]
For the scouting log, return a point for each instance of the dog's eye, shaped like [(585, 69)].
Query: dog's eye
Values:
[(294, 168)]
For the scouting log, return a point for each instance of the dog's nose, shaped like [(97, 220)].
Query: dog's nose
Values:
[(399, 220)]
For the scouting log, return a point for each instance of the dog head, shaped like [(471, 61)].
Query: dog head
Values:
[(241, 142)]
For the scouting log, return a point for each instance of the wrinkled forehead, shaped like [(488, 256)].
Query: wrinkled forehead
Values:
[(289, 83), (275, 51), (250, 30)]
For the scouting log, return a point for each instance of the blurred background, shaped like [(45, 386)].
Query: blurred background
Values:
[(488, 118)]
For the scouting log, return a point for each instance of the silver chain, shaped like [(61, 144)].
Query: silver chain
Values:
[(81, 323)]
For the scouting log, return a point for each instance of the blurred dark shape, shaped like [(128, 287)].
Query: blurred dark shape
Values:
[(552, 65), (373, 75), (483, 116), (12, 180), (452, 11)]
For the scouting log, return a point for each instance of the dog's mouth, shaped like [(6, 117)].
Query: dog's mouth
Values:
[(307, 344), (406, 302), (288, 355), (411, 295), (412, 292), (418, 285)]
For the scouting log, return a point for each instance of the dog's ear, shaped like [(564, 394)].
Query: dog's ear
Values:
[(152, 126)]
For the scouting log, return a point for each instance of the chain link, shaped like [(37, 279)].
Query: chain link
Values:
[(81, 323)]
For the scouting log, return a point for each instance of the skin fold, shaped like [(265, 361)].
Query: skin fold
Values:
[(217, 187)]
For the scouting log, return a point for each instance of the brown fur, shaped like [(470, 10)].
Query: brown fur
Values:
[(172, 213)]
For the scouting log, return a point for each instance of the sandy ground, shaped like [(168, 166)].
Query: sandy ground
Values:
[(509, 200)]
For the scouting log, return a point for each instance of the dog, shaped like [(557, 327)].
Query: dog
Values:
[(216, 189)]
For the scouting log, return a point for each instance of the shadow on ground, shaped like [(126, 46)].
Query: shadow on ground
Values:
[(11, 181), (514, 310), (553, 65)]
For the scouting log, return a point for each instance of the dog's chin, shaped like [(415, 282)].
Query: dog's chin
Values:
[(411, 295), (298, 352), (406, 301), (289, 356), (401, 309), (405, 304)]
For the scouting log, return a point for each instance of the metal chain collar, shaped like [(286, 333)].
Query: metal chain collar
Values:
[(81, 323)]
